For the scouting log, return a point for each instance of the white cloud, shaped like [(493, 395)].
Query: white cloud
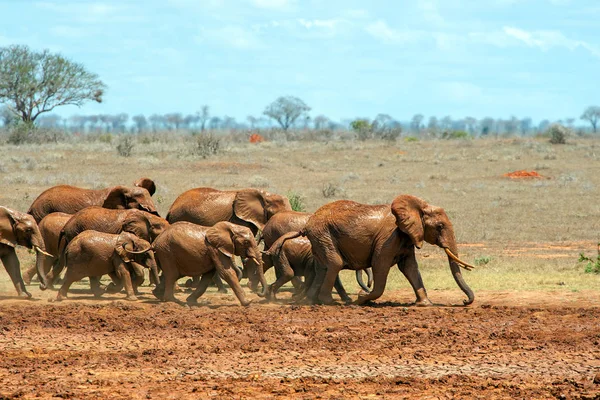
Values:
[(319, 23), (274, 4), (546, 40), (385, 33), (232, 36)]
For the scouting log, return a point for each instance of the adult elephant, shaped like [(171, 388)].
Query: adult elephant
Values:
[(187, 249), (142, 224), (204, 206), (70, 199), (288, 221), (346, 234), (50, 227), (17, 228), (247, 207)]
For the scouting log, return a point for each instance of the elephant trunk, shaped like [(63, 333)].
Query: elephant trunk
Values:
[(37, 243), (259, 273), (455, 262), (153, 268)]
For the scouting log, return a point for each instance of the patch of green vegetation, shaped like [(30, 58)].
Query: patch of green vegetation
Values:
[(409, 139), (456, 135), (483, 260), (296, 201), (592, 265)]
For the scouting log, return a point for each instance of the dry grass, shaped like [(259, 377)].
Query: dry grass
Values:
[(464, 177)]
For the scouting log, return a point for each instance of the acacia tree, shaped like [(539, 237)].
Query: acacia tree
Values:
[(32, 83), (286, 110), (592, 115)]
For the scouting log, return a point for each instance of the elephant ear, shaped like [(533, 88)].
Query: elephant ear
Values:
[(124, 243), (8, 219), (408, 211), (249, 205), (220, 236), (116, 198), (147, 184), (131, 224)]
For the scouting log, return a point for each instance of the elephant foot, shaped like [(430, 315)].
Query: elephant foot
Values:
[(112, 288), (246, 303), (223, 290), (423, 303), (24, 294), (60, 297), (131, 298), (326, 300), (27, 277)]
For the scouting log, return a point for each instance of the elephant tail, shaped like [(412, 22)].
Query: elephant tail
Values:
[(275, 249)]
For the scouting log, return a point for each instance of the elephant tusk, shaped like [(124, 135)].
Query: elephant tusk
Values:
[(43, 252), (461, 263)]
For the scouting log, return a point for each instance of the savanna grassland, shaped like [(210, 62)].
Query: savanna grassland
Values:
[(532, 332)]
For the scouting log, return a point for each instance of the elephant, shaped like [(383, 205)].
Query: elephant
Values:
[(187, 249), (142, 224), (93, 254), (246, 207), (70, 199), (287, 221), (349, 234), (17, 228), (50, 227)]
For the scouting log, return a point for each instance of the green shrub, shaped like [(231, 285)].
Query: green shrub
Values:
[(409, 139), (105, 138), (125, 146), (456, 135), (207, 145), (592, 265), (558, 134), (362, 128), (483, 260), (296, 201)]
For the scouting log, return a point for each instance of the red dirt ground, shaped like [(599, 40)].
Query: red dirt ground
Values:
[(530, 345)]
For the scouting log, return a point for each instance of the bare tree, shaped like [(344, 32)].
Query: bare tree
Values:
[(446, 122), (252, 121), (286, 110), (471, 124), (415, 122), (321, 122), (32, 83), (543, 125), (511, 125), (174, 120), (525, 125), (433, 124), (156, 121), (140, 122), (203, 117), (214, 123), (486, 124), (592, 115)]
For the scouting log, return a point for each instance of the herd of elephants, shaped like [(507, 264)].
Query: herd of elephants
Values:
[(118, 232)]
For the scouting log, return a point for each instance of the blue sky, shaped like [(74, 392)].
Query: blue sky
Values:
[(344, 58)]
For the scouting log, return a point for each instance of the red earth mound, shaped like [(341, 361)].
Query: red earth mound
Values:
[(256, 138), (523, 174)]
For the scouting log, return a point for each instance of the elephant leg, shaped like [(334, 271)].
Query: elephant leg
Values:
[(334, 266), (53, 275), (95, 286), (13, 267), (297, 283), (125, 277), (380, 275), (202, 286), (284, 273), (192, 282), (29, 274), (115, 286), (227, 273), (70, 277), (341, 291), (219, 283), (410, 269), (169, 278)]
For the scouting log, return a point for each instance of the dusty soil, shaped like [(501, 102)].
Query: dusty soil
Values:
[(507, 345)]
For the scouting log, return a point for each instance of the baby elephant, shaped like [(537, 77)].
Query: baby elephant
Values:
[(93, 254), (186, 249)]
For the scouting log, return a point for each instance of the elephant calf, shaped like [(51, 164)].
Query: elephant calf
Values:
[(187, 249), (93, 254)]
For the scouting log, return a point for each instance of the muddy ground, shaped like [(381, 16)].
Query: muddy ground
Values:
[(507, 345)]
